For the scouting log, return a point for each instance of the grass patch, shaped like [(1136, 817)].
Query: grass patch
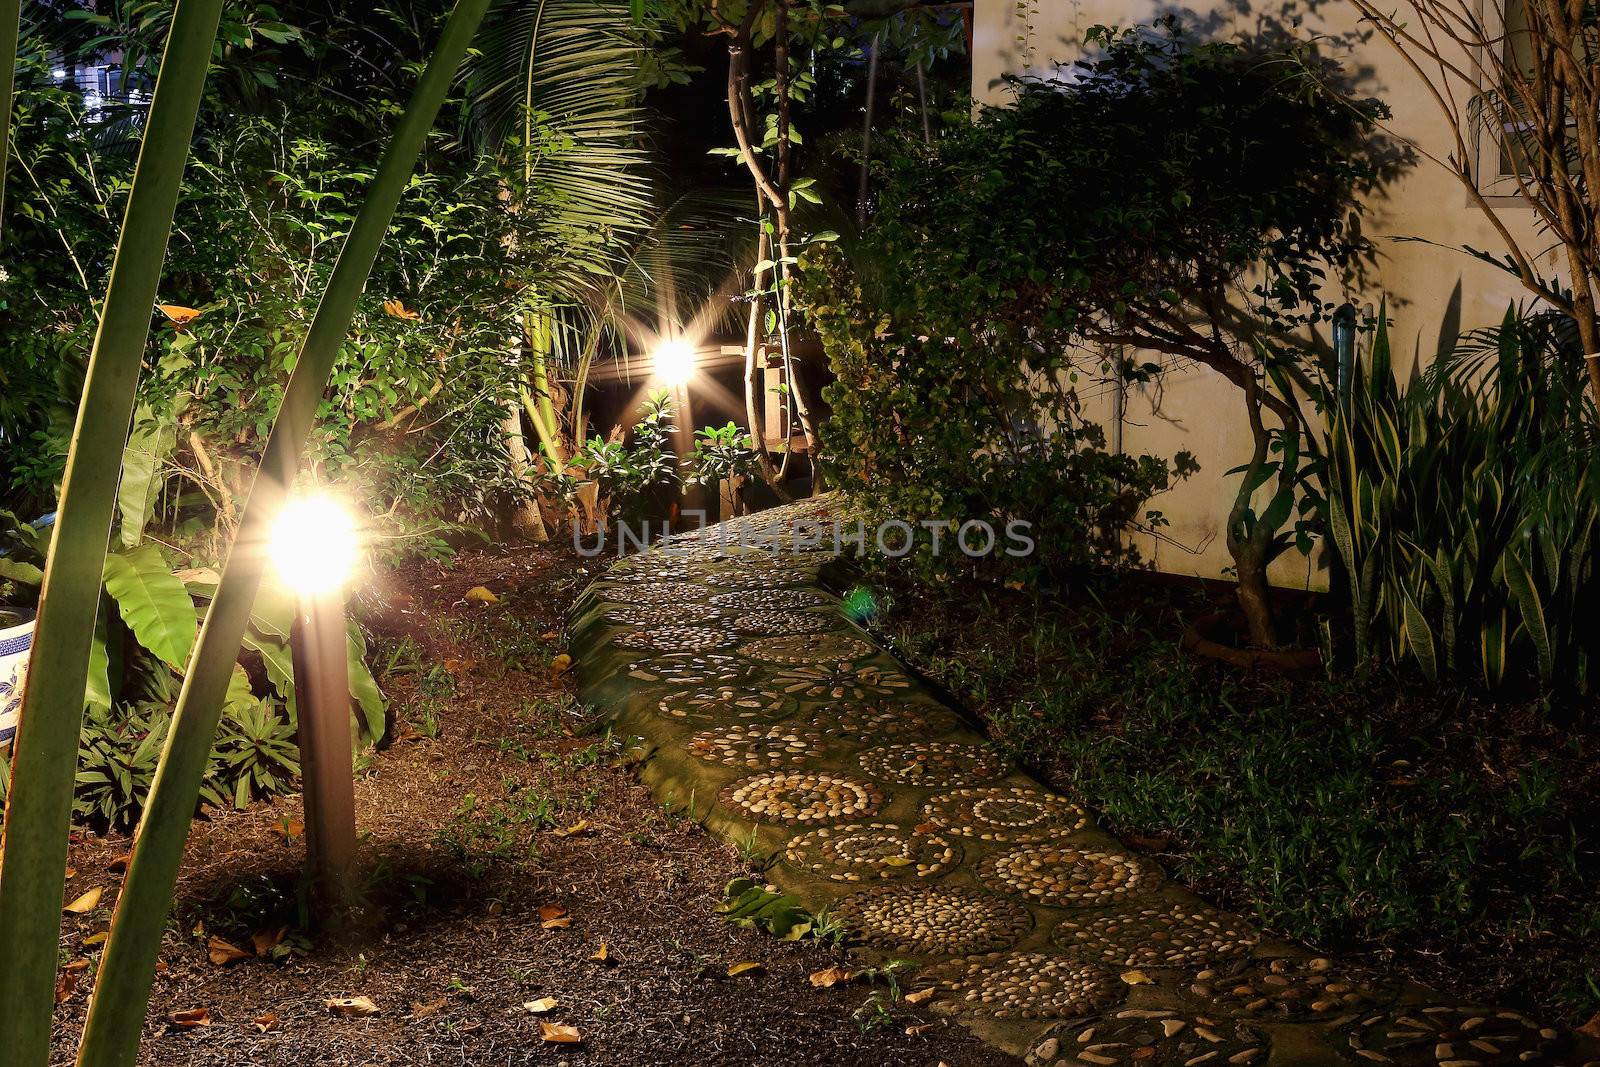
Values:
[(1453, 838)]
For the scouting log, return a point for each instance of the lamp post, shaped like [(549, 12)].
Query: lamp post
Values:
[(314, 548), (673, 363)]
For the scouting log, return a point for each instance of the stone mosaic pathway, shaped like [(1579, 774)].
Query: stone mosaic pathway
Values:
[(780, 724)]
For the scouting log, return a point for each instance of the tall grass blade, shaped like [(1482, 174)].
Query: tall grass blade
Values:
[(116, 1014), (39, 802)]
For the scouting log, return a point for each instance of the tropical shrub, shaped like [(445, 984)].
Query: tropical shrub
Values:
[(1184, 198), (936, 422), (1464, 507), (639, 478)]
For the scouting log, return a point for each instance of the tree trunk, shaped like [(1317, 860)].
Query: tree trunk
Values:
[(527, 521)]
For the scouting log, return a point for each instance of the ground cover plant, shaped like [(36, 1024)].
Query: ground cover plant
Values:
[(1440, 833)]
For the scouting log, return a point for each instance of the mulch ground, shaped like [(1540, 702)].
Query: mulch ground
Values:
[(479, 897)]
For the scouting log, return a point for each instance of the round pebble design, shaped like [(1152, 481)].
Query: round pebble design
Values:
[(1448, 1034), (726, 705), (783, 623), (1177, 935), (866, 852), (770, 599), (668, 593), (932, 763), (675, 639), (1146, 1037), (758, 747), (806, 648), (934, 919), (841, 681), (795, 797), (1005, 814), (691, 669), (663, 615), (1067, 877), (759, 577), (866, 724), (1290, 990), (1027, 985)]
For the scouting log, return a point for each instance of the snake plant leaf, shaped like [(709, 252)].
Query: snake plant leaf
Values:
[(153, 602), (1520, 581), (1420, 637), (1492, 648)]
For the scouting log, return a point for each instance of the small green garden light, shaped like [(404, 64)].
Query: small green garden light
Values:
[(315, 547)]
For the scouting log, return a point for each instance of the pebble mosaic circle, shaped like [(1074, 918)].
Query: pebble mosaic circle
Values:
[(1291, 990), (866, 724), (807, 648), (663, 615), (771, 599), (675, 639), (1069, 877), (865, 852), (667, 593), (1444, 1034), (747, 577), (781, 623), (794, 797), (1003, 814), (656, 569), (758, 747), (690, 668), (841, 681), (726, 704), (1027, 985), (1179, 935), (932, 763), (934, 919), (1149, 1038)]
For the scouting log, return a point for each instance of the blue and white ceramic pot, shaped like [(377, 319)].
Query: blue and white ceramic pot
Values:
[(16, 639)]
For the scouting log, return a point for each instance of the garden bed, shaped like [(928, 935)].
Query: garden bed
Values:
[(490, 805), (1422, 827)]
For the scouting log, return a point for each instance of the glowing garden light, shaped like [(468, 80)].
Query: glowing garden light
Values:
[(315, 544), (673, 361)]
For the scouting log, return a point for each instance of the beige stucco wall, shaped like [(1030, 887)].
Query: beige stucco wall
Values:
[(1199, 411)]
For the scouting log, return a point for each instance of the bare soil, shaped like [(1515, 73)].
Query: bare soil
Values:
[(490, 804)]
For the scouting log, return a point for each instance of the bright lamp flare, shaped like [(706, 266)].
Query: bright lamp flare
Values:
[(315, 544), (674, 361)]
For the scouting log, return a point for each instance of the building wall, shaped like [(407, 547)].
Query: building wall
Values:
[(1199, 411)]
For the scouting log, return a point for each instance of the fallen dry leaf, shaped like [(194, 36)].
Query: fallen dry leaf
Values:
[(600, 953), (86, 903), (189, 1018), (66, 985), (264, 941), (579, 827), (559, 1034), (540, 1006), (560, 665), (549, 635), (919, 1029), (223, 953), (397, 310), (179, 315), (1136, 978), (1591, 1028), (118, 864), (556, 924), (829, 977), (289, 829), (479, 595), (744, 967), (352, 1007), (72, 872), (264, 1022), (550, 911), (76, 965), (423, 1009), (98, 938), (918, 996)]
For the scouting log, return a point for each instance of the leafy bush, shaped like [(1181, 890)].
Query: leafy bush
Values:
[(640, 478), (1464, 507), (936, 421), (1183, 198)]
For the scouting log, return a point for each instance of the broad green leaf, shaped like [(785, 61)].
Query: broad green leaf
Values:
[(153, 602), (1520, 582), (141, 481), (363, 687), (17, 571), (1420, 637)]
